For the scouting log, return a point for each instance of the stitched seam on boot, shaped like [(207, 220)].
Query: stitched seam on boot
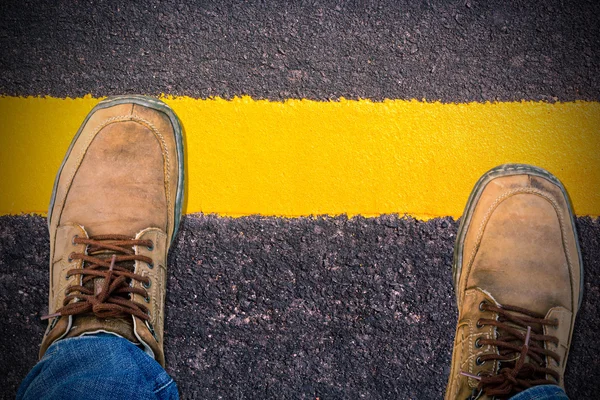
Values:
[(495, 205), (556, 348), (468, 360), (163, 145), (158, 276), (456, 372), (89, 139), (123, 118)]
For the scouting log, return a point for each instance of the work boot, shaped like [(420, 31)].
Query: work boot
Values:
[(518, 280), (115, 208)]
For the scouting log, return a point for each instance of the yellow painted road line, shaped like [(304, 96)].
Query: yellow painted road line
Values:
[(302, 157)]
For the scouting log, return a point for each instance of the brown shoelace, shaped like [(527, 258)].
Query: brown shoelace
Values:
[(111, 258), (521, 356)]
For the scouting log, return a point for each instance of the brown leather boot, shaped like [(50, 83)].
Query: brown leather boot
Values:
[(115, 209), (518, 280)]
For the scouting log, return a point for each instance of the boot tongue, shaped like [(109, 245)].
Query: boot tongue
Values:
[(106, 255), (516, 354), (535, 328), (89, 324), (513, 325)]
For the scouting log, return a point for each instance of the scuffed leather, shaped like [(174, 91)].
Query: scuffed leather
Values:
[(59, 282), (157, 272), (519, 249), (564, 334), (465, 353), (120, 177)]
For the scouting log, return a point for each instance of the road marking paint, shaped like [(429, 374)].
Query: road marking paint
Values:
[(303, 157)]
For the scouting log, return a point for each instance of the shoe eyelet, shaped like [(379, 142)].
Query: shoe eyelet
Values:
[(151, 265), (483, 303), (73, 240), (147, 285), (478, 344), (70, 258), (147, 299), (479, 325), (478, 361), (151, 247)]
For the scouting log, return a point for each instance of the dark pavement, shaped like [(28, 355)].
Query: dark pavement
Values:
[(264, 308), (453, 51), (272, 308)]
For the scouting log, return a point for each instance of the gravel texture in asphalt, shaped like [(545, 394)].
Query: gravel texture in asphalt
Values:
[(264, 308), (306, 308), (453, 51)]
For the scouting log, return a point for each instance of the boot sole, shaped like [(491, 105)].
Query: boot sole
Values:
[(506, 170), (154, 104)]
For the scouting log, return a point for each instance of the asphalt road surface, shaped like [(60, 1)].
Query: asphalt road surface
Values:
[(266, 308), (457, 50), (306, 308)]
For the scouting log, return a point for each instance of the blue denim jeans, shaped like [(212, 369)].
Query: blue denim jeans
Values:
[(542, 392), (99, 367), (109, 367)]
